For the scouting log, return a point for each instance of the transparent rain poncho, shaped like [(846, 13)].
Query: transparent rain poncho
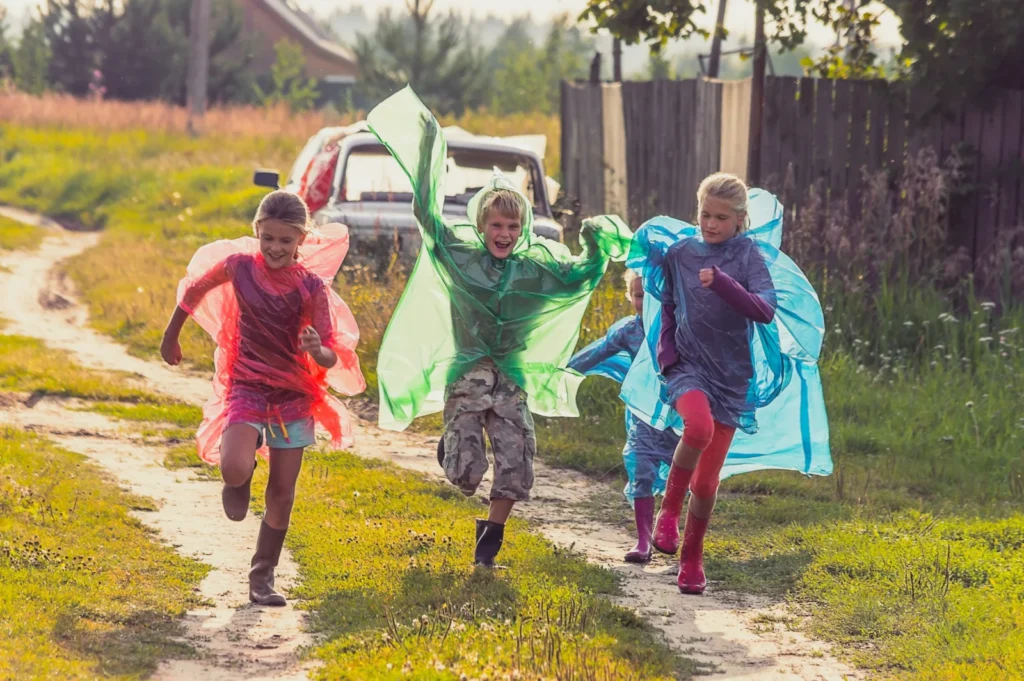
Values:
[(462, 305), (255, 315), (773, 393), (648, 451)]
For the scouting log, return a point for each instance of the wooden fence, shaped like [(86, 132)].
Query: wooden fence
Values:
[(815, 131), (672, 136), (830, 132)]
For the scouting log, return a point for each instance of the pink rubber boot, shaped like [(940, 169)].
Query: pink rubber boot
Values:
[(643, 509), (666, 528), (691, 558)]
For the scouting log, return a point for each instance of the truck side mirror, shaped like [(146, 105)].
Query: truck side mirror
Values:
[(267, 178)]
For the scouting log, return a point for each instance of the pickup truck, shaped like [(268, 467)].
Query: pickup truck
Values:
[(372, 195)]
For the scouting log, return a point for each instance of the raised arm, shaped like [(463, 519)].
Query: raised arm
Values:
[(413, 136)]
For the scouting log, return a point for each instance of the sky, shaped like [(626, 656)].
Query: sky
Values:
[(739, 18)]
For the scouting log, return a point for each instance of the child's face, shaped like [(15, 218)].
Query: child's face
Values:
[(279, 243), (501, 233), (718, 221), (636, 295)]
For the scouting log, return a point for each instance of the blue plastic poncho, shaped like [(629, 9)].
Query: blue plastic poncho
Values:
[(780, 411), (647, 454)]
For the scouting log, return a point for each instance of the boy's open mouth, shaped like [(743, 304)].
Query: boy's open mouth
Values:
[(503, 244)]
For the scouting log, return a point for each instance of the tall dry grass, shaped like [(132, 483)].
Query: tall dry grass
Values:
[(65, 111)]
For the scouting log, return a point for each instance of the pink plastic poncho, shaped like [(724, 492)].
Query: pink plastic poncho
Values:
[(255, 315)]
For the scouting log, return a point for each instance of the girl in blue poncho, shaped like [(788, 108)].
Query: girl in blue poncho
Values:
[(733, 330), (648, 451)]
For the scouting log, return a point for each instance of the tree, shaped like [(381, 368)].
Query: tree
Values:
[(289, 84), (436, 57), (6, 50), (520, 81), (75, 32), (659, 67), (146, 56), (31, 59), (528, 78), (960, 48), (658, 21), (567, 53)]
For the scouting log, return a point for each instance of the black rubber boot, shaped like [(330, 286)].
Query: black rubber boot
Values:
[(489, 537), (236, 499), (261, 576)]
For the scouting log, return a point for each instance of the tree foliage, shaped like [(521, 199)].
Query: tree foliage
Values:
[(147, 56), (961, 47), (141, 48), (435, 55), (958, 48), (289, 84), (528, 77), (6, 49), (31, 59)]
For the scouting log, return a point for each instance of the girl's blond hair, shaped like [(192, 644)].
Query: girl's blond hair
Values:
[(286, 207), (505, 201), (725, 187)]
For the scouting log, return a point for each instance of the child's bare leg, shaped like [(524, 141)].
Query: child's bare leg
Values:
[(500, 510), (237, 460), (285, 465)]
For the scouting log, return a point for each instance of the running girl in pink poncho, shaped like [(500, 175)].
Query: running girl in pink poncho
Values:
[(283, 337)]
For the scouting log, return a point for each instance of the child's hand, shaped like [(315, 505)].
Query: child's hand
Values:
[(707, 277), (309, 341), (170, 350)]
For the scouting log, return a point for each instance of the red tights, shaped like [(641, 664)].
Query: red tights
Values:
[(703, 433)]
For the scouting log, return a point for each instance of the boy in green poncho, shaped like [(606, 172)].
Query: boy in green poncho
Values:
[(487, 322)]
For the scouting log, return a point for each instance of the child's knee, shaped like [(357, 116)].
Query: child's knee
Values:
[(697, 433), (515, 446), (704, 485), (236, 471)]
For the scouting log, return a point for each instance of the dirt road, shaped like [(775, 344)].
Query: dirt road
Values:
[(239, 641)]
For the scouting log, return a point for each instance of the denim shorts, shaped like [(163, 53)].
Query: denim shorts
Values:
[(301, 433)]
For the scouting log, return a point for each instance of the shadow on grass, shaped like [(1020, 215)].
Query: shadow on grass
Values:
[(123, 647)]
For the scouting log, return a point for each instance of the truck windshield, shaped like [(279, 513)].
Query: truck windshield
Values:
[(371, 174)]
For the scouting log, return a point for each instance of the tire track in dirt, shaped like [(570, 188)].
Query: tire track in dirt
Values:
[(717, 628)]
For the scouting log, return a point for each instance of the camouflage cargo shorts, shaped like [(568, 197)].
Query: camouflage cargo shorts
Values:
[(485, 399)]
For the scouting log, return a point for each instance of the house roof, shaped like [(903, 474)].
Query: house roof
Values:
[(290, 12)]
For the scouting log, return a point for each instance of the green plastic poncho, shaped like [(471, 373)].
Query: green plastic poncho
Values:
[(462, 305)]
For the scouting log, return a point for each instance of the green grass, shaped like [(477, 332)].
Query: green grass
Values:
[(177, 414), (27, 365), (15, 236), (386, 566), (85, 590), (901, 366)]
